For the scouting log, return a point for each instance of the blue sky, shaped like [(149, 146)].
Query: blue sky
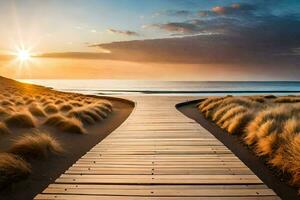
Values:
[(58, 25), (244, 35)]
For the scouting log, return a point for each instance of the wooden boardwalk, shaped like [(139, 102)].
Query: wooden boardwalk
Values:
[(158, 153)]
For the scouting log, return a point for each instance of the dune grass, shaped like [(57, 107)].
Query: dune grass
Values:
[(65, 107), (35, 145), (59, 101), (3, 129), (65, 124), (36, 110), (20, 120), (7, 103), (76, 104), (50, 109), (91, 113), (12, 168), (287, 99), (269, 125), (4, 113)]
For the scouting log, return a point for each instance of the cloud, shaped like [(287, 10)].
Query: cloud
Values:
[(269, 39), (122, 32), (174, 13), (79, 55), (178, 27), (236, 8), (197, 26), (258, 37), (217, 19)]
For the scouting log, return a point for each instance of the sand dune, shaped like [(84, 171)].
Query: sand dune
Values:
[(30, 114)]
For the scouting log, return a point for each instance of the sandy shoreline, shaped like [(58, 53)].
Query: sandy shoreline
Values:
[(45, 171)]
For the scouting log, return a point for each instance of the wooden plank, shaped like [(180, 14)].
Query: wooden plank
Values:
[(157, 171), (166, 192), (158, 187), (159, 179), (94, 197)]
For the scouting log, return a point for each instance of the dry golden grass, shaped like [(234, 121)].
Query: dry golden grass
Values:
[(209, 101), (266, 145), (91, 113), (65, 124), (65, 107), (221, 111), (19, 102), (81, 115), (261, 125), (12, 168), (257, 99), (4, 113), (230, 114), (3, 129), (59, 101), (51, 109), (288, 99), (106, 107), (7, 103), (292, 160), (47, 102), (35, 145), (270, 125), (29, 101), (36, 110), (20, 120), (239, 122), (76, 104)]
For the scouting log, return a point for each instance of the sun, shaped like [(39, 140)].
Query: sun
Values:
[(23, 55)]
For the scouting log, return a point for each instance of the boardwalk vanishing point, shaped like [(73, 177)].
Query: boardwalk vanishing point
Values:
[(158, 153)]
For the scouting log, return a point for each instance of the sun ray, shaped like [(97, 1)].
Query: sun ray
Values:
[(23, 55)]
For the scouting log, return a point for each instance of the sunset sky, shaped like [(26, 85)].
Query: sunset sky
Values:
[(151, 39)]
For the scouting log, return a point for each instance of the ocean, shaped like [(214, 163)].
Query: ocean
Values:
[(191, 88)]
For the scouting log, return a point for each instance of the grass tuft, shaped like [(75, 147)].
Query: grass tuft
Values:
[(51, 109), (65, 124), (239, 122), (36, 110), (4, 113), (12, 169), (287, 99), (35, 145), (91, 113), (3, 129), (65, 107), (20, 120)]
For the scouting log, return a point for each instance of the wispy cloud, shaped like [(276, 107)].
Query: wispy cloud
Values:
[(236, 8), (177, 27), (174, 13), (123, 32)]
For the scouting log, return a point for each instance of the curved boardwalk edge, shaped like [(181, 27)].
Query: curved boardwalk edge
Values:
[(158, 153)]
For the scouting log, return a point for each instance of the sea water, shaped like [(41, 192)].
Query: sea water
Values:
[(195, 88)]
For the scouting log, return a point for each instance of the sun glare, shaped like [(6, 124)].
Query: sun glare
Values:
[(23, 55)]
